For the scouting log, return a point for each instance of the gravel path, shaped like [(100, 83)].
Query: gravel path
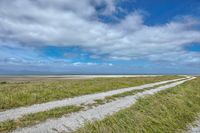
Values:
[(76, 120), (195, 128), (84, 99)]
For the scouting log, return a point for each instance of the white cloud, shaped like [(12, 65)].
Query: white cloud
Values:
[(84, 64), (75, 23)]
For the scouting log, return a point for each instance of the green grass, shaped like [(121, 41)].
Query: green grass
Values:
[(36, 118), (169, 111), (14, 95)]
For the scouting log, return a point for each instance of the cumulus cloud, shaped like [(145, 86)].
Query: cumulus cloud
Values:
[(36, 23)]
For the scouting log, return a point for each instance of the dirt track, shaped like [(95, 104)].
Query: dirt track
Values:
[(76, 120), (85, 99)]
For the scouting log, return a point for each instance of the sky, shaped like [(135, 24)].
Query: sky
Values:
[(100, 37)]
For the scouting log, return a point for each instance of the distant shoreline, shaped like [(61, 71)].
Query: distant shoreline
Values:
[(76, 75), (61, 77)]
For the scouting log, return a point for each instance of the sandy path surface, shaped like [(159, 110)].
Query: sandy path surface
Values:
[(195, 128), (84, 99), (76, 120)]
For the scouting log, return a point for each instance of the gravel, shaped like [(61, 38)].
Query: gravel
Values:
[(84, 99), (76, 120), (195, 128)]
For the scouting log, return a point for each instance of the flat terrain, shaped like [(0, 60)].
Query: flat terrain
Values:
[(61, 77), (74, 121), (169, 111), (23, 93), (109, 104)]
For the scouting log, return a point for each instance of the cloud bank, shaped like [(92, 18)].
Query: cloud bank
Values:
[(40, 23)]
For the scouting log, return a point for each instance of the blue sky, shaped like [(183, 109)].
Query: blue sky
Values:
[(100, 37)]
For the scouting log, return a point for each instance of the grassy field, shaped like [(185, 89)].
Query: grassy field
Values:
[(36, 118), (32, 119), (27, 93), (168, 111)]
